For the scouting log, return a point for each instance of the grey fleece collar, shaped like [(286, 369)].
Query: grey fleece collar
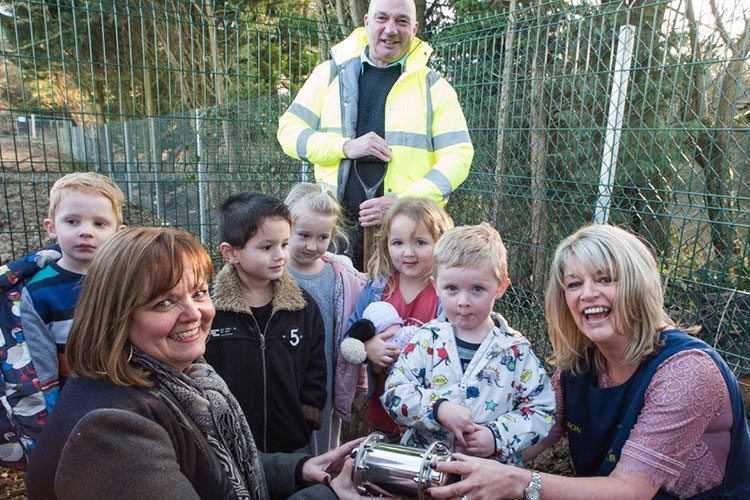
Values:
[(228, 293)]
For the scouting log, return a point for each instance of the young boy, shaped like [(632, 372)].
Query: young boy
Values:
[(267, 338), (85, 210), (471, 381)]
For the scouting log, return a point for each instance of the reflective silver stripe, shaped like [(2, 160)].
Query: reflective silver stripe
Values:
[(417, 141), (420, 141), (304, 136), (333, 72), (441, 181), (429, 143), (432, 78), (335, 130), (349, 95), (304, 114), (451, 139)]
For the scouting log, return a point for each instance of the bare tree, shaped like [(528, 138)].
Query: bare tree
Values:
[(503, 113), (712, 145)]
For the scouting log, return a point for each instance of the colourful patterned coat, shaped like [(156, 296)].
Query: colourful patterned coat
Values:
[(505, 386), (21, 397)]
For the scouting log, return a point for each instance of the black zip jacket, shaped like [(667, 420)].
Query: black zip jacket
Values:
[(278, 375)]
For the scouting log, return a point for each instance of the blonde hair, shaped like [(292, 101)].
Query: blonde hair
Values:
[(639, 300), (305, 198), (145, 263), (89, 183), (419, 210), (473, 247)]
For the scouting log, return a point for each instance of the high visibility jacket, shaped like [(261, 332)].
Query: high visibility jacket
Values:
[(425, 127)]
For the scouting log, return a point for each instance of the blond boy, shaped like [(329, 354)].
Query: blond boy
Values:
[(471, 381), (85, 209)]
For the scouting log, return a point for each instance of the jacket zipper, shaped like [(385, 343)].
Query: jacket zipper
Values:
[(265, 378), (263, 372)]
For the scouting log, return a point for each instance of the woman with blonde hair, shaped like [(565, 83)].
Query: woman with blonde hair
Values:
[(650, 411), (144, 416)]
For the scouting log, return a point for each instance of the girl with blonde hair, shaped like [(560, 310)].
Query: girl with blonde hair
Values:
[(335, 285), (401, 268)]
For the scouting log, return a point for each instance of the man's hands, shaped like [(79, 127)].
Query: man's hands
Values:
[(370, 144), (371, 211)]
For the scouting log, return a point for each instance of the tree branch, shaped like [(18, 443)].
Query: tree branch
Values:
[(720, 25)]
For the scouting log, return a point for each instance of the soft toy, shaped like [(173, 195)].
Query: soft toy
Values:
[(377, 318)]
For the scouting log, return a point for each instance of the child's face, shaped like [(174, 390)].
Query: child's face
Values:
[(468, 295), (410, 247), (264, 256), (83, 223), (311, 235)]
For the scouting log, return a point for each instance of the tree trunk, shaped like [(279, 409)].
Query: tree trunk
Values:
[(719, 197), (358, 9), (421, 8), (538, 165), (504, 110), (221, 99), (697, 89), (340, 12), (713, 151), (647, 205), (323, 25)]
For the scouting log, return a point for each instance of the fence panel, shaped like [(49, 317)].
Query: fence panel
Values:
[(536, 85), (179, 104)]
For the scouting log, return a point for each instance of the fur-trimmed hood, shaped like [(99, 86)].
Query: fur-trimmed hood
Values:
[(228, 293)]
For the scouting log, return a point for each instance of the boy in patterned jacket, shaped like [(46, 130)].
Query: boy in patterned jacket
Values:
[(471, 382)]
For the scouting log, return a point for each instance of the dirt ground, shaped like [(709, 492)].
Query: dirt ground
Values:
[(27, 174), (12, 486)]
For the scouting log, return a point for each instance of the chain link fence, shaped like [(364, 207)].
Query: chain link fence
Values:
[(634, 114)]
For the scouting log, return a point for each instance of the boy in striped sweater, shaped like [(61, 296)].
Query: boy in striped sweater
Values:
[(85, 209)]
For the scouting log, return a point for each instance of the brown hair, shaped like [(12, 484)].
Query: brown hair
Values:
[(89, 183), (419, 210), (133, 267)]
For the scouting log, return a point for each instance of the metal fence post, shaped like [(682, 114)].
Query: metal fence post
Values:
[(108, 146), (201, 187), (618, 96), (128, 159), (155, 162)]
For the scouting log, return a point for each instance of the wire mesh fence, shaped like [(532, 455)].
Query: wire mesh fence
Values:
[(573, 117), (539, 88)]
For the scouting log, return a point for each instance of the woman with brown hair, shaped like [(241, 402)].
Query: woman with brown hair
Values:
[(144, 415)]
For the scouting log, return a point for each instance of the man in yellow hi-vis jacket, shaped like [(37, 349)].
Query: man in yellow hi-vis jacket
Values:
[(376, 122)]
